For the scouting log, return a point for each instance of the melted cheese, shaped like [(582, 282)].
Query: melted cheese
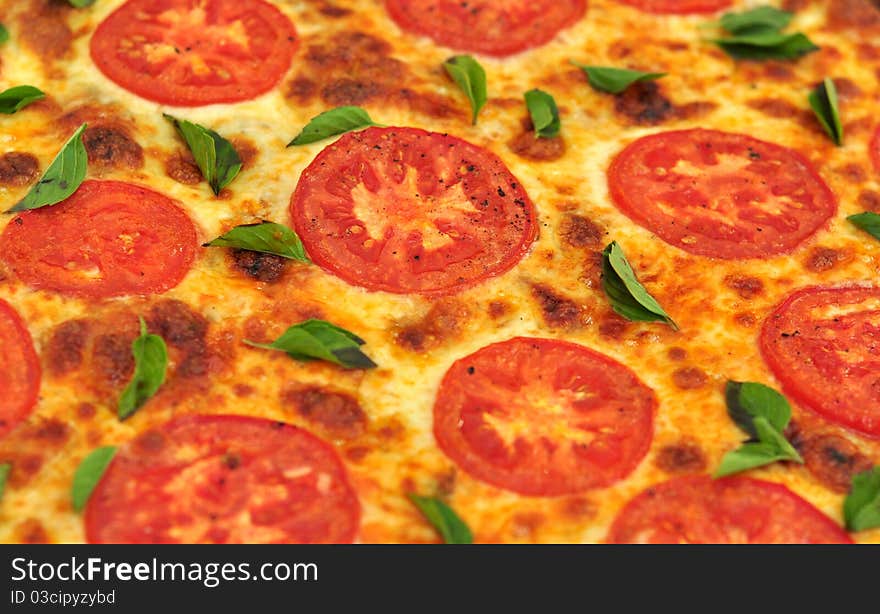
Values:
[(398, 453)]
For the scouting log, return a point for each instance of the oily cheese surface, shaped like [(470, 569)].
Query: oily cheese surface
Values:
[(351, 52)]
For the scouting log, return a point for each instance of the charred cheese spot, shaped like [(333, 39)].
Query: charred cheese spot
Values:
[(498, 309), (258, 265), (333, 10), (246, 150), (833, 460), (43, 28), (681, 457), (440, 325), (613, 327), (185, 330), (112, 359), (182, 168), (643, 104), (112, 147), (29, 448), (844, 14), (32, 531), (557, 310), (870, 200), (689, 378), (746, 287), (823, 259), (336, 413), (18, 168), (853, 173), (526, 144), (579, 231), (780, 108), (355, 68)]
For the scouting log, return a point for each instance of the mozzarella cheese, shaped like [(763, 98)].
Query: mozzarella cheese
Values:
[(397, 452)]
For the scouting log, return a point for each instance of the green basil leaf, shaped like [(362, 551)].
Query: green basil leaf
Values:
[(61, 179), (628, 296), (763, 17), (748, 456), (214, 155), (320, 340), (471, 78), (445, 520), (5, 468), (823, 101), (867, 221), (544, 113), (265, 237), (4, 33), (16, 98), (763, 413), (748, 400), (88, 474), (766, 45), (333, 123), (150, 365), (861, 508), (81, 4), (771, 436), (615, 80)]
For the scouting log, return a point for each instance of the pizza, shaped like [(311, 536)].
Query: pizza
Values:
[(529, 271)]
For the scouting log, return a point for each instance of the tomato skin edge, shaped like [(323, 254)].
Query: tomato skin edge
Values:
[(447, 436), (617, 175), (770, 356), (323, 258), (33, 366)]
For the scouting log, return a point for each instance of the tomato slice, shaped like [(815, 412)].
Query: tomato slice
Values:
[(720, 194), (824, 346), (409, 211), (736, 510), (224, 479), (109, 238), (493, 27), (195, 52), (543, 417), (678, 6), (19, 370)]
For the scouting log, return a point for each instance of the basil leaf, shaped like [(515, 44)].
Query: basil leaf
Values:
[(748, 400), (5, 468), (320, 340), (333, 123), (615, 80), (81, 4), (4, 33), (16, 98), (214, 155), (544, 113), (766, 17), (763, 413), (766, 45), (445, 520), (867, 221), (61, 179), (150, 365), (861, 508), (471, 78), (88, 474), (628, 296), (748, 456), (823, 101), (265, 237)]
